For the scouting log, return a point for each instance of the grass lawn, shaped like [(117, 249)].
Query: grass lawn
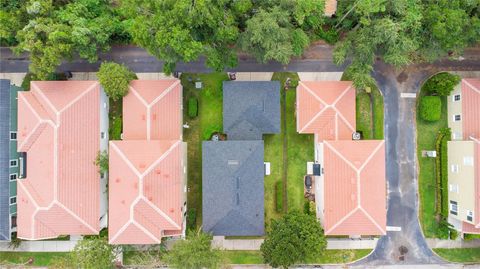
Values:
[(21, 258), (463, 255), (426, 134), (209, 120), (115, 119), (369, 111), (330, 256)]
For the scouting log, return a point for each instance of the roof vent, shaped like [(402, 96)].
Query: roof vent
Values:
[(238, 199), (238, 183), (232, 162)]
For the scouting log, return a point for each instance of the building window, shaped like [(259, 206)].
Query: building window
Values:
[(453, 188), (457, 117), (102, 135), (453, 208), (469, 215), (456, 135), (13, 200), (455, 168), (13, 177), (14, 163), (456, 97), (14, 221), (13, 135), (468, 161)]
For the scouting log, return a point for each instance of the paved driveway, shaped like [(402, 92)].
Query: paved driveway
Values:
[(401, 174)]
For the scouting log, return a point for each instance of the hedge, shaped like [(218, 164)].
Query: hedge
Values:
[(442, 84), (279, 196), (441, 172), (192, 107), (431, 108)]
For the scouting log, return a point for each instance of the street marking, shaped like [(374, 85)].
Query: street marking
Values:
[(394, 229), (408, 95)]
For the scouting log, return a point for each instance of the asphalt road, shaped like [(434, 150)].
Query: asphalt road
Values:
[(407, 246)]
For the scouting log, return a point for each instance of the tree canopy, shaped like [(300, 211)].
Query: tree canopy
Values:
[(54, 31), (115, 79), (404, 31), (194, 252), (296, 237)]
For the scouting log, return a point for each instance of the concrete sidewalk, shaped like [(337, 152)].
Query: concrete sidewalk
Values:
[(254, 244), (40, 246), (439, 243), (320, 76)]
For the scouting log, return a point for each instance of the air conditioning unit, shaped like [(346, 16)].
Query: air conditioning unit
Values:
[(356, 136)]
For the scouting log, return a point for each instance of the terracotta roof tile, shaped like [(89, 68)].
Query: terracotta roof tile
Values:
[(327, 109), (146, 190), (58, 125), (353, 170), (152, 110), (471, 108)]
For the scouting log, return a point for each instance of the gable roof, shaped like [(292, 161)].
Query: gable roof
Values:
[(4, 159), (59, 128), (330, 7), (251, 109), (326, 109), (152, 110), (471, 108), (146, 188), (353, 171), (233, 188)]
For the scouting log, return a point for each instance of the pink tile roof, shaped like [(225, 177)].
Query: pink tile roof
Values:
[(354, 188), (152, 110), (469, 228), (327, 109), (59, 128), (471, 107), (146, 190)]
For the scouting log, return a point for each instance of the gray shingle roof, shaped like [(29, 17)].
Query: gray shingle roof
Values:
[(251, 109), (4, 159), (233, 188)]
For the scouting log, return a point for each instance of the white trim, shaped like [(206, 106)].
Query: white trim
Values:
[(10, 177), (16, 135), (13, 160), (10, 200)]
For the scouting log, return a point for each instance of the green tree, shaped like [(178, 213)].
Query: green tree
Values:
[(182, 30), (194, 253), (115, 79), (442, 84), (296, 237), (430, 108), (101, 161), (56, 32)]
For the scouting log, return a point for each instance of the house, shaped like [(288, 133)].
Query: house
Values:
[(251, 109), (233, 188), (464, 156), (147, 182), (326, 109), (62, 126), (353, 200), (9, 161), (233, 170), (350, 171)]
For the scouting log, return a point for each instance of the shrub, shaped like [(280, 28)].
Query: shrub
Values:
[(430, 108), (330, 36), (29, 77), (453, 234), (279, 196), (115, 131), (191, 219), (441, 172), (102, 162), (468, 237), (441, 84), (192, 107), (114, 79)]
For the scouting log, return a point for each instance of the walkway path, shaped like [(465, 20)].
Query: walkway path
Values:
[(41, 246), (254, 244), (439, 243)]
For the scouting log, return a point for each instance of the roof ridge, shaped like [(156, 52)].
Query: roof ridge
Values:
[(474, 88)]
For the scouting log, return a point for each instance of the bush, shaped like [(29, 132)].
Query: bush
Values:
[(115, 79), (102, 162), (115, 131), (441, 84), (430, 108), (31, 77), (468, 237), (191, 219), (453, 234), (279, 196), (330, 36), (192, 107)]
